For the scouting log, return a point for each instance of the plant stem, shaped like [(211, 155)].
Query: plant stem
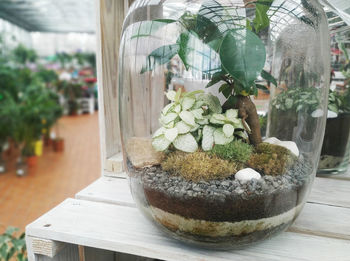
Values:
[(247, 111)]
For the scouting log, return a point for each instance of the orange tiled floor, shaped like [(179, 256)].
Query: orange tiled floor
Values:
[(56, 176)]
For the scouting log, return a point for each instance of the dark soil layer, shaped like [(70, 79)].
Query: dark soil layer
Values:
[(336, 136), (228, 199)]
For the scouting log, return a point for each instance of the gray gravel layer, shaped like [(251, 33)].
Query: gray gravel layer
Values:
[(176, 186)]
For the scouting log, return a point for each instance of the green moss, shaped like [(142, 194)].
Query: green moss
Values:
[(198, 166), (271, 159), (236, 150)]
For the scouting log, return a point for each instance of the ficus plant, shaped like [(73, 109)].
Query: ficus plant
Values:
[(234, 41)]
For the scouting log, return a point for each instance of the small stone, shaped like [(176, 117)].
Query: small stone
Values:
[(291, 145), (331, 114), (247, 174), (226, 183)]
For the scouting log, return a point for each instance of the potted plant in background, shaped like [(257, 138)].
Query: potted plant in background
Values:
[(335, 152), (36, 106), (198, 167), (71, 92)]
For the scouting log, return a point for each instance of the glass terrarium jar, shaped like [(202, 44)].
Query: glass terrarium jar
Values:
[(335, 153), (192, 146)]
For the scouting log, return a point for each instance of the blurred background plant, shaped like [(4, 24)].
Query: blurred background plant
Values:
[(12, 247)]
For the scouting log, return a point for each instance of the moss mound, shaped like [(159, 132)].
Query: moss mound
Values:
[(271, 159), (236, 150), (198, 166)]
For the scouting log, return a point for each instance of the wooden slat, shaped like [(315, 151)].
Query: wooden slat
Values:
[(114, 164), (334, 192), (123, 229), (108, 190), (323, 220), (110, 16), (46, 247)]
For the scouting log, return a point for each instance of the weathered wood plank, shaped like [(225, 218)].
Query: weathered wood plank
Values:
[(114, 164), (123, 229), (46, 247), (69, 253), (323, 220), (110, 16), (334, 192), (108, 190)]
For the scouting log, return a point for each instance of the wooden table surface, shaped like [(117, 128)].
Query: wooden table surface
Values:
[(103, 216)]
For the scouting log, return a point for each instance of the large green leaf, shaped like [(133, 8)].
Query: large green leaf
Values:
[(197, 55), (243, 56), (160, 56)]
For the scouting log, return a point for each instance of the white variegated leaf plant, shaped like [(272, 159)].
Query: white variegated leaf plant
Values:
[(196, 118)]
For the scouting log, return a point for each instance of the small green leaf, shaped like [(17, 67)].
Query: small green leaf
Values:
[(159, 56), (188, 118), (160, 143), (231, 114), (220, 138), (208, 138), (182, 41), (217, 77), (268, 77), (159, 132), (212, 102), (226, 90), (171, 134), (261, 20), (230, 102), (165, 119), (261, 87), (171, 96), (182, 127), (228, 130), (187, 103), (198, 114), (178, 95), (186, 143), (10, 230), (218, 119)]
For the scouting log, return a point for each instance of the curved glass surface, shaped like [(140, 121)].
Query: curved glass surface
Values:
[(188, 75)]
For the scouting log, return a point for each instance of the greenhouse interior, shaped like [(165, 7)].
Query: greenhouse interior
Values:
[(174, 130)]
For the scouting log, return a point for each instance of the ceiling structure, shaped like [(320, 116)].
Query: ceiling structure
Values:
[(62, 16), (59, 16)]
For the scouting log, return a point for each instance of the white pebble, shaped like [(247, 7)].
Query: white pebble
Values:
[(247, 174), (272, 140), (331, 114), (291, 145), (317, 113)]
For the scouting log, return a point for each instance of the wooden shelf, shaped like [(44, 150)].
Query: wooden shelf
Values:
[(104, 216)]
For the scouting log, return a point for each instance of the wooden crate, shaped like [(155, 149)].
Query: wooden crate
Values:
[(103, 224)]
